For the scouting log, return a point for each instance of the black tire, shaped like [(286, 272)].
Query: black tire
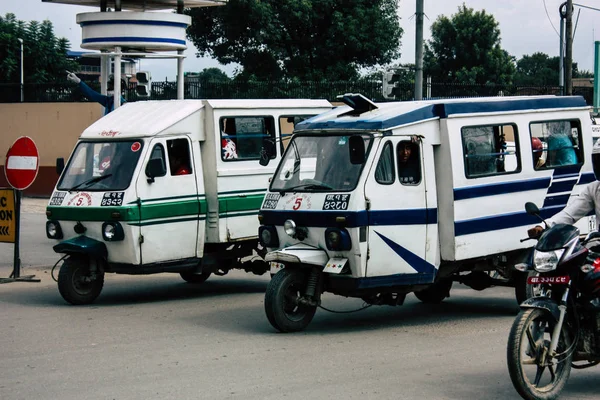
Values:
[(529, 338), (191, 277), (523, 291), (281, 302), (436, 292), (75, 283)]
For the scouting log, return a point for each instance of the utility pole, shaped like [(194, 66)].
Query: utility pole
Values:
[(419, 52), (569, 48)]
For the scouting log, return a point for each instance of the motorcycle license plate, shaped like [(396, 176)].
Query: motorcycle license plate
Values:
[(556, 280)]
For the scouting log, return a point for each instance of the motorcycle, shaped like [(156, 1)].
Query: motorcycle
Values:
[(559, 329)]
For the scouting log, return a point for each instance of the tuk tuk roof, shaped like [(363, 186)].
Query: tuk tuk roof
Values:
[(142, 118), (268, 103), (394, 114), (149, 118)]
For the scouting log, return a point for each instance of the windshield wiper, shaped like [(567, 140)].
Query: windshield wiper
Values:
[(90, 182), (314, 186)]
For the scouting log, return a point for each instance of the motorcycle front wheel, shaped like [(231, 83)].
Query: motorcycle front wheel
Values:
[(535, 374)]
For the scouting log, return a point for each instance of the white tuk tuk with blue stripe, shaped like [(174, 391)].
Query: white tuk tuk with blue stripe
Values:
[(348, 212)]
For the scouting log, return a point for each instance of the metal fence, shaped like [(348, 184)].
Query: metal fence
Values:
[(67, 92)]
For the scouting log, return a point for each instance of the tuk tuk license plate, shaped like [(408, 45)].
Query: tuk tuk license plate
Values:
[(555, 280), (335, 265)]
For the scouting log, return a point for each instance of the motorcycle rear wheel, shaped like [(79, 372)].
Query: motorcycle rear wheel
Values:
[(531, 370)]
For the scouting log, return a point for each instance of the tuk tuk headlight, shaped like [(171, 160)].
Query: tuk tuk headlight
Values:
[(268, 236), (337, 239), (112, 231), (545, 261), (289, 226), (296, 232), (53, 230)]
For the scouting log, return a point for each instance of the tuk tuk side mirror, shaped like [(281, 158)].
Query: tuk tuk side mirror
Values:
[(154, 168), (60, 165), (267, 151), (357, 149)]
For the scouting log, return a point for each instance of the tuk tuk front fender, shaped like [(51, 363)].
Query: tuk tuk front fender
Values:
[(299, 254), (82, 245)]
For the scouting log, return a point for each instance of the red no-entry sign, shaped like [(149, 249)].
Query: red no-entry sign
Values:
[(22, 163)]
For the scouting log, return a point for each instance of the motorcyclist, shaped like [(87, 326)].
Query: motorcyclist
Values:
[(587, 201)]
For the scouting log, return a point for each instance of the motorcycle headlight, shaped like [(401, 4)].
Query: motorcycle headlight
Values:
[(112, 231), (53, 230), (545, 261)]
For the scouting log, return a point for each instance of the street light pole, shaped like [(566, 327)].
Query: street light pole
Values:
[(22, 87)]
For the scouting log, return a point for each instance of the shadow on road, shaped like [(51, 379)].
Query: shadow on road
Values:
[(121, 291), (412, 313)]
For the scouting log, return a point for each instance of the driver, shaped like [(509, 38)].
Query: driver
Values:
[(586, 202)]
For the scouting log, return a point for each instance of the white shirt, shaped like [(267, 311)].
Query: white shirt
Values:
[(588, 200)]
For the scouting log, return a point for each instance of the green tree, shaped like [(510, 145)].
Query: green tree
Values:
[(539, 69), (302, 39), (213, 74), (44, 54), (465, 48)]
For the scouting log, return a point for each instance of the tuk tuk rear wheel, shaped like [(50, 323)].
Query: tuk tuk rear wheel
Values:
[(436, 292), (284, 310), (76, 284), (192, 277)]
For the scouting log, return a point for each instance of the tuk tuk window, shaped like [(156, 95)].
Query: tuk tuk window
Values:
[(319, 163), (556, 144), (409, 163), (105, 166), (179, 157), (384, 173), (287, 123), (158, 152), (242, 137), (490, 150)]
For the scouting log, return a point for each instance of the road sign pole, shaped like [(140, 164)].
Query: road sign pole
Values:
[(17, 261), (20, 168)]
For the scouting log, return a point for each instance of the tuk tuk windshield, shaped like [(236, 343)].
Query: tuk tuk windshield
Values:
[(101, 166), (318, 164)]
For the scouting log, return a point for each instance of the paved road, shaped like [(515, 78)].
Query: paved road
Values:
[(156, 337)]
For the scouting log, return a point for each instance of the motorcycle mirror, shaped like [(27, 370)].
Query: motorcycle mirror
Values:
[(531, 208)]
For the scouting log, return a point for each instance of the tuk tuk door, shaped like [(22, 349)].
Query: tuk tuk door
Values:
[(169, 204), (398, 215)]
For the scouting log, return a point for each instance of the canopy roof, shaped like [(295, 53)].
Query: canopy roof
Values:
[(142, 5)]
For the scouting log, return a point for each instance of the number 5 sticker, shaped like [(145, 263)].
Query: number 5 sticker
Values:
[(297, 203)]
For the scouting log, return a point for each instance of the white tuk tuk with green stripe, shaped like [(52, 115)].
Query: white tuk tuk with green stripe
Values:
[(168, 186)]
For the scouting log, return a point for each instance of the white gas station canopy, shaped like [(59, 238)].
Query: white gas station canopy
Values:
[(141, 5)]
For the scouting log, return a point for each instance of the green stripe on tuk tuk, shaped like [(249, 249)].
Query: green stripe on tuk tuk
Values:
[(153, 210)]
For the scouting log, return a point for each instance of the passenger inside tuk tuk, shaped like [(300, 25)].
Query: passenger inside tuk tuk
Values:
[(179, 157), (104, 158), (409, 168), (560, 151)]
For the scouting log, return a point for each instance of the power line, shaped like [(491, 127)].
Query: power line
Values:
[(582, 6), (549, 19)]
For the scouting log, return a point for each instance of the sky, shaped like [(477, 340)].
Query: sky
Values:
[(526, 26)]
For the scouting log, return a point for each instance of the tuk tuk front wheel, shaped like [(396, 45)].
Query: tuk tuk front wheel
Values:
[(77, 284), (283, 307)]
